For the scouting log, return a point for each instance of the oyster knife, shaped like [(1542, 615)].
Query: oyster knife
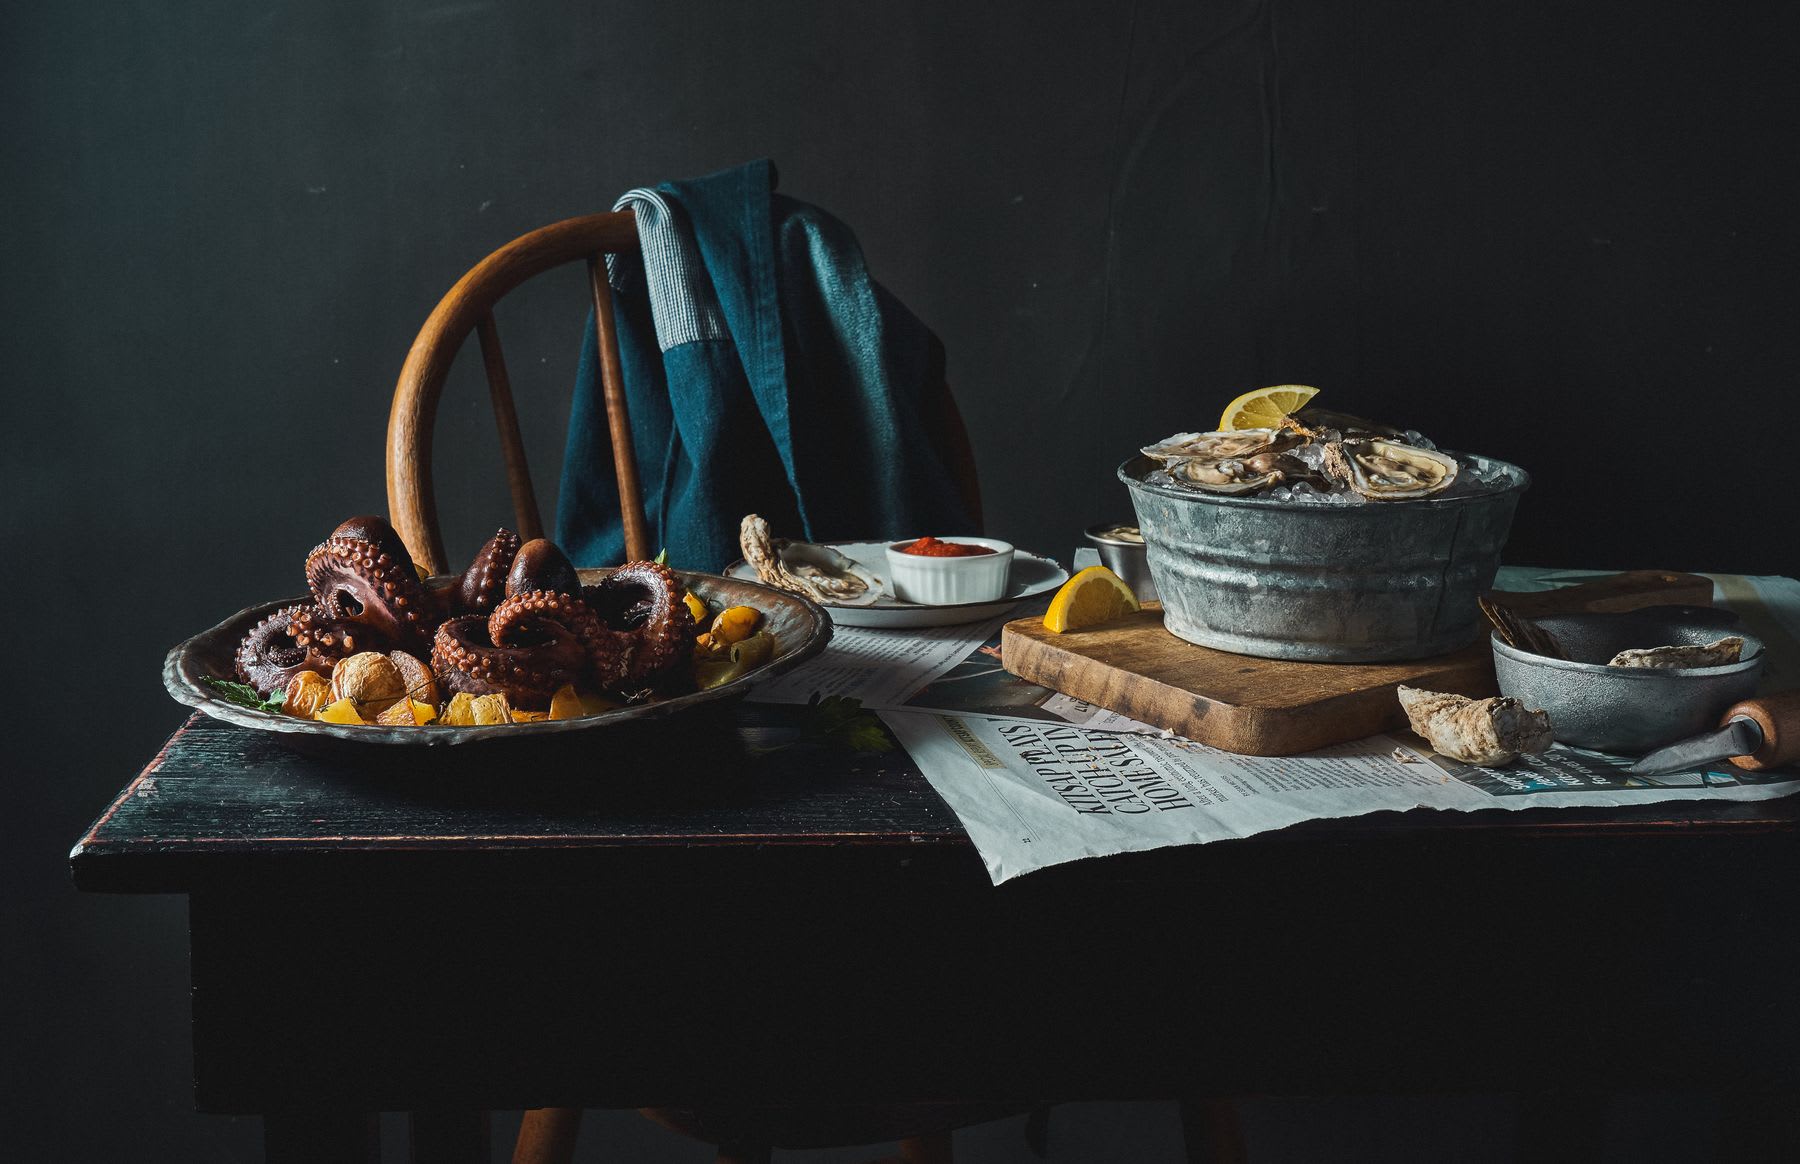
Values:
[(1740, 737), (1755, 735)]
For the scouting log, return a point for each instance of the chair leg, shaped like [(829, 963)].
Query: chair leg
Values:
[(1212, 1132), (547, 1136), (931, 1149)]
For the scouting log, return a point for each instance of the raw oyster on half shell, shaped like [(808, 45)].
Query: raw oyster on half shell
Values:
[(1227, 476), (1384, 470), (818, 572), (1244, 461), (1215, 446)]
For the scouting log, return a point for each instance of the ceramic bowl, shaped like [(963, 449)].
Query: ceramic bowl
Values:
[(943, 581)]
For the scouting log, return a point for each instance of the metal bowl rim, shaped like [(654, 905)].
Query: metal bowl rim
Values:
[(1092, 534), (1516, 487), (1751, 660)]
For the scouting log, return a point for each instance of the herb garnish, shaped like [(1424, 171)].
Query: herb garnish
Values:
[(244, 695)]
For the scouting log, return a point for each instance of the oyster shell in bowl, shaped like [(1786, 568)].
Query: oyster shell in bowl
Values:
[(1244, 461), (818, 572), (1384, 470), (1217, 446)]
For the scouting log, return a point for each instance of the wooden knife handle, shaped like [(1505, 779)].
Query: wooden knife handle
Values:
[(1632, 590), (1779, 718)]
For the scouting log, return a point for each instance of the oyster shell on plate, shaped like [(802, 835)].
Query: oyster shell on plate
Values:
[(1386, 470), (818, 572)]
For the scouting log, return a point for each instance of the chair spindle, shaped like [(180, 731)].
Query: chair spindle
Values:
[(618, 421), (506, 419)]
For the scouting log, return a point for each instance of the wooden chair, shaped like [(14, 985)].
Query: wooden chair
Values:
[(469, 306), (548, 1135)]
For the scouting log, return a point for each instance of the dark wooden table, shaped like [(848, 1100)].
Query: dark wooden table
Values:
[(684, 917)]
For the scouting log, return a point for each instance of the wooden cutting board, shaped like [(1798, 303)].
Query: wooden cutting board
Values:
[(1274, 707)]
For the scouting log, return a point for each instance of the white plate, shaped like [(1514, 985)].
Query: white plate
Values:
[(1030, 576)]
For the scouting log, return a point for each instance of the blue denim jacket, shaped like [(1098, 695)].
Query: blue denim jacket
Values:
[(765, 372)]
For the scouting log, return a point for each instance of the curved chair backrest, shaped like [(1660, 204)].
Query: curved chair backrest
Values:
[(469, 306)]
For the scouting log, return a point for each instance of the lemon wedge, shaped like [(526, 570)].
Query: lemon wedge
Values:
[(1265, 407), (1093, 596)]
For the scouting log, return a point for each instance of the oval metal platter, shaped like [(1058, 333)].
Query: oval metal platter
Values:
[(800, 626)]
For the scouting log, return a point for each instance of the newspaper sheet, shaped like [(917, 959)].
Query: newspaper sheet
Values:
[(883, 668), (1039, 778), (954, 669), (1034, 794)]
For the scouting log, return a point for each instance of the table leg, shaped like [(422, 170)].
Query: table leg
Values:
[(450, 1137), (321, 1137), (547, 1136)]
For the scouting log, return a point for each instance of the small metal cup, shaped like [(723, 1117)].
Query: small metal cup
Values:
[(1124, 557)]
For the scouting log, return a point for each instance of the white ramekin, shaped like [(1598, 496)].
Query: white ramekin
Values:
[(946, 581)]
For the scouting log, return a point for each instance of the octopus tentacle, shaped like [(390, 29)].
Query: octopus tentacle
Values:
[(370, 527), (313, 628), (483, 584), (645, 598), (363, 574), (609, 651), (466, 658), (268, 657), (540, 565)]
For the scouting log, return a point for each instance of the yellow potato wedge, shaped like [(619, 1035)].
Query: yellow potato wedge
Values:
[(742, 658), (460, 711), (735, 624), (755, 650), (307, 694), (399, 715), (565, 704), (491, 709), (343, 711)]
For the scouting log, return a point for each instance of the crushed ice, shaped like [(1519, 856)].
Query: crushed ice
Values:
[(1475, 475)]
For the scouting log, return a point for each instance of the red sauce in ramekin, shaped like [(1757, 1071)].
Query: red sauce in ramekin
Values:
[(932, 548)]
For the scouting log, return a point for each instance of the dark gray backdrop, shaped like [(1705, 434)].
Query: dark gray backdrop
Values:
[(1561, 236)]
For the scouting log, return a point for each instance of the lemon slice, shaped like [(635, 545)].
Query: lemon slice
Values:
[(1093, 596), (1265, 407)]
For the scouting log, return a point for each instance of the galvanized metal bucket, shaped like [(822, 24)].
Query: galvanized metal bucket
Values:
[(1327, 583)]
